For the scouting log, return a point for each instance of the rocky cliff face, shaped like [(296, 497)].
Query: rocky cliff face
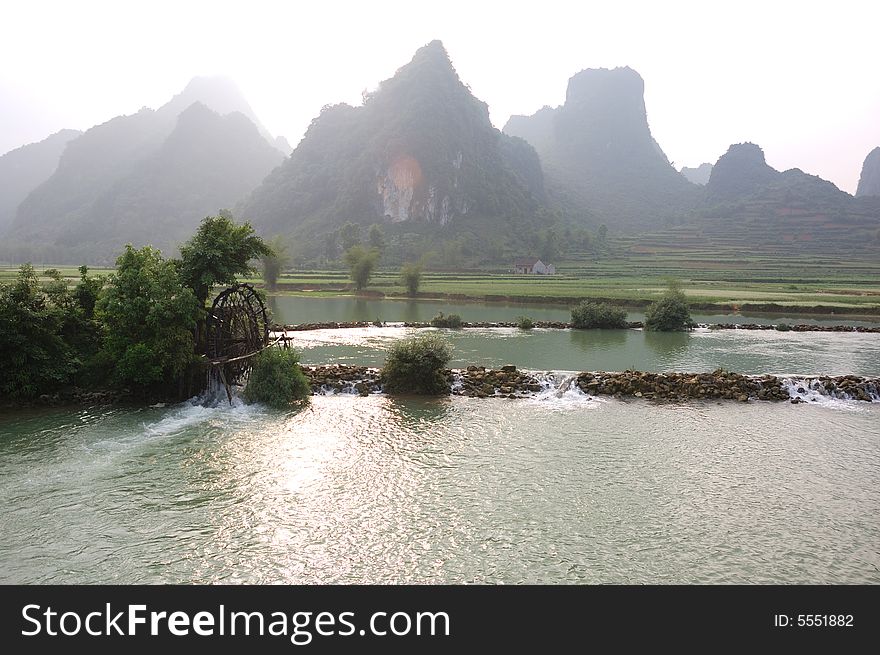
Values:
[(869, 182), (420, 149), (599, 154)]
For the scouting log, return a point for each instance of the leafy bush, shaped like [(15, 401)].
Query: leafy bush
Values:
[(276, 379), (411, 277), (451, 321), (783, 327), (590, 314), (525, 323), (416, 365), (670, 313)]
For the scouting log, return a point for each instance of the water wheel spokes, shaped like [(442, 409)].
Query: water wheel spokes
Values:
[(237, 327)]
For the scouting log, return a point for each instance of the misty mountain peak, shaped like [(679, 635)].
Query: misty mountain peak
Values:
[(869, 181), (599, 147), (219, 94), (739, 172), (428, 77), (605, 86), (420, 149), (22, 170)]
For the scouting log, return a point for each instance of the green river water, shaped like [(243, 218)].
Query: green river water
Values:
[(378, 489)]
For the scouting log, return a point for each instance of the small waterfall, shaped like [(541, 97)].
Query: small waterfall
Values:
[(565, 385), (815, 389), (561, 387), (217, 393)]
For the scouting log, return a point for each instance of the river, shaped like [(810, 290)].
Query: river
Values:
[(462, 490)]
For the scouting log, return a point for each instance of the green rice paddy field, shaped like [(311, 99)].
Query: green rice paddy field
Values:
[(707, 277)]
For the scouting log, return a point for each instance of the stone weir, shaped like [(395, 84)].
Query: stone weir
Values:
[(509, 382), (561, 325)]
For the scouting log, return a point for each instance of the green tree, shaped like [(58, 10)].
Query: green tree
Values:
[(88, 291), (602, 236), (331, 246), (671, 312), (349, 236), (361, 264), (36, 357), (149, 316), (219, 251), (549, 246), (411, 277), (376, 237), (274, 262)]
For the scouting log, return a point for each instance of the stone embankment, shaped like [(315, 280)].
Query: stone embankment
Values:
[(341, 378), (509, 382)]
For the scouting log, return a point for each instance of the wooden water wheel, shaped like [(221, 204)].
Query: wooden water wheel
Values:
[(237, 328)]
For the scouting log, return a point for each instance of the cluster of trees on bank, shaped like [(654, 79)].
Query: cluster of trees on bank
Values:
[(550, 235), (137, 329)]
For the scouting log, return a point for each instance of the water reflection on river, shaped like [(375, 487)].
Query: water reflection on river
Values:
[(451, 490)]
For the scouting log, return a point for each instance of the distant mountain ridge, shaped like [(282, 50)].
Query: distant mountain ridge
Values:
[(22, 170), (750, 207), (869, 180), (699, 175), (420, 157), (599, 155), (420, 150), (145, 178), (222, 95)]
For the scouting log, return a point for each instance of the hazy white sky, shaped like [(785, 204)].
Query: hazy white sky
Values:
[(799, 78)]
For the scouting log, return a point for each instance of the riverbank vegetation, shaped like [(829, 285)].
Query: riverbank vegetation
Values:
[(411, 278), (276, 379), (587, 315), (442, 320), (417, 365), (135, 329), (711, 281), (670, 313)]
